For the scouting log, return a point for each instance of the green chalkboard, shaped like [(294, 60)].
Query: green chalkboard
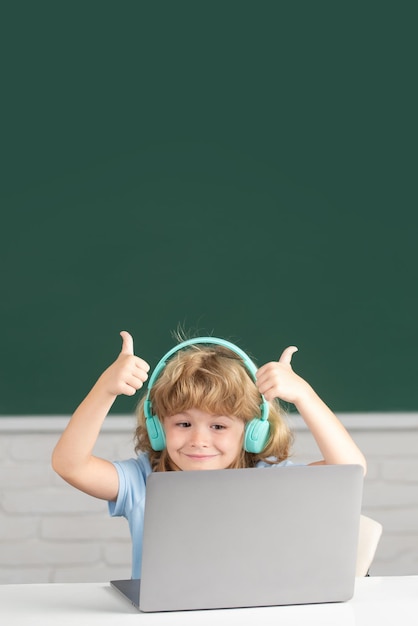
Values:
[(244, 169)]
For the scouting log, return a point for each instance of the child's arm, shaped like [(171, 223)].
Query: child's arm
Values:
[(73, 457), (278, 380)]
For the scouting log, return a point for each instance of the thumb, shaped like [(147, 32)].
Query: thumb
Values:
[(287, 354), (127, 343)]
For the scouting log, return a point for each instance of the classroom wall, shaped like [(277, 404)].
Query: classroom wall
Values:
[(49, 532)]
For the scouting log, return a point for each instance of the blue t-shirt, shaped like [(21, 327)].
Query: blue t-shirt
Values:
[(130, 502)]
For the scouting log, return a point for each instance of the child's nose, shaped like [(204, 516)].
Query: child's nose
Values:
[(199, 437)]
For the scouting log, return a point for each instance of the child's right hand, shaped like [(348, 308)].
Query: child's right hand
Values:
[(73, 457), (128, 373)]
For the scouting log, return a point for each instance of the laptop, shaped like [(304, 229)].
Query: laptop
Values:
[(248, 538)]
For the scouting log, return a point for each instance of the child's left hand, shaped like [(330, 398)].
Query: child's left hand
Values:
[(278, 380)]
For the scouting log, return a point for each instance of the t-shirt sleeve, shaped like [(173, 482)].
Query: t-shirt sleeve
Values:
[(285, 463), (132, 475)]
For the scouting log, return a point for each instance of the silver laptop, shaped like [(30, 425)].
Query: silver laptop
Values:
[(248, 537)]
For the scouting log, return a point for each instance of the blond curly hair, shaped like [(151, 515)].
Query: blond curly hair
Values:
[(215, 380)]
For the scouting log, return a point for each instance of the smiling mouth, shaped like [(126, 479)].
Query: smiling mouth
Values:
[(200, 457)]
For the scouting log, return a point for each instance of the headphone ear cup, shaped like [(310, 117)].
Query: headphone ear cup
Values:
[(155, 432), (256, 435)]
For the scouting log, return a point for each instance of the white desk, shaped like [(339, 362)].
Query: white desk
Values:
[(381, 601)]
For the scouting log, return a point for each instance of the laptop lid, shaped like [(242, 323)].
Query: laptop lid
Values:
[(242, 538)]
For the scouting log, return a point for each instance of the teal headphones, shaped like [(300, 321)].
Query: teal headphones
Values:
[(257, 431)]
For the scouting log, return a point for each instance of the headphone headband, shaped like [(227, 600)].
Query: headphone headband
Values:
[(206, 340)]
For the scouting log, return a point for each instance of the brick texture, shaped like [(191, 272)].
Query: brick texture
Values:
[(49, 532)]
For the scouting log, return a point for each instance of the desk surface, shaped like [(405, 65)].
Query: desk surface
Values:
[(377, 600)]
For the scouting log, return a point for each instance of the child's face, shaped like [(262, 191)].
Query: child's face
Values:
[(197, 440)]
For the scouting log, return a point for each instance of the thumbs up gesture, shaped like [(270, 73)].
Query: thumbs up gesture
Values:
[(278, 380), (128, 373)]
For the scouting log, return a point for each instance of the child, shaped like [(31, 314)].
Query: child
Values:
[(203, 401)]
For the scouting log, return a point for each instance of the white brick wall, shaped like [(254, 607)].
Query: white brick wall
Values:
[(49, 532)]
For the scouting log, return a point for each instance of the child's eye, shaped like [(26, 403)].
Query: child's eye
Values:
[(183, 424), (218, 426)]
